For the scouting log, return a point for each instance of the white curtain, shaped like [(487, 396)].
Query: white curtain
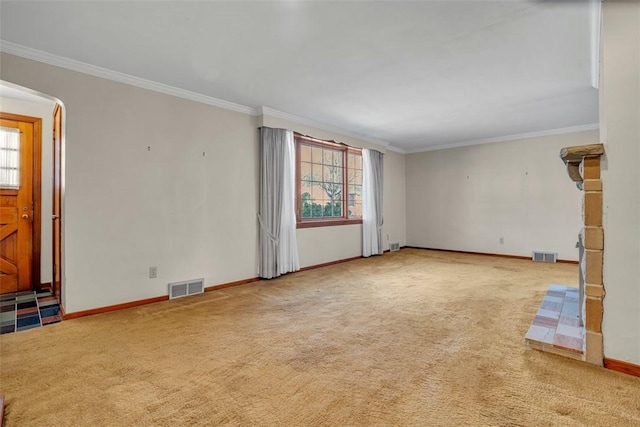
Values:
[(372, 164), (277, 216)]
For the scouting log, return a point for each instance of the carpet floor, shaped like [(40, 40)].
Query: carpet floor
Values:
[(412, 338)]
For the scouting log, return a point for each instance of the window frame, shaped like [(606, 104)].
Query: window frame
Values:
[(299, 140)]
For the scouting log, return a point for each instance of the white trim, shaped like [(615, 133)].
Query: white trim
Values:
[(323, 126), (592, 126), (81, 67)]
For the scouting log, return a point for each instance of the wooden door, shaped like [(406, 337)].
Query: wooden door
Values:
[(16, 205), (57, 201)]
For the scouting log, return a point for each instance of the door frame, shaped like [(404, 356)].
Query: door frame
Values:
[(36, 179), (56, 193)]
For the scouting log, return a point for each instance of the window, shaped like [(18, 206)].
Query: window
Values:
[(9, 158), (329, 184)]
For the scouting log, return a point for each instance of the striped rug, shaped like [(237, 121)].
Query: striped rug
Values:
[(25, 310)]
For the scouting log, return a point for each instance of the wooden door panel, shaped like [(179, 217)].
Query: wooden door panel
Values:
[(16, 216), (8, 267), (8, 214), (7, 232), (8, 248), (8, 264), (8, 283)]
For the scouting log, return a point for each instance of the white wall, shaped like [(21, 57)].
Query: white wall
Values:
[(127, 208), (620, 128), (140, 193), (395, 227), (45, 112), (468, 198), (319, 245)]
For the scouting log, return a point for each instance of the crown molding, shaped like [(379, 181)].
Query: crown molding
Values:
[(559, 131), (267, 111), (396, 149), (105, 73)]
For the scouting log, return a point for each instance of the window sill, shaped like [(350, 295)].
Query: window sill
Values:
[(327, 222)]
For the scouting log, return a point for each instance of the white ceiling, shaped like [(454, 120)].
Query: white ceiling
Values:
[(413, 74)]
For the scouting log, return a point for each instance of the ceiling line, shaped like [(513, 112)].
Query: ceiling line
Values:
[(558, 131), (324, 126), (105, 73)]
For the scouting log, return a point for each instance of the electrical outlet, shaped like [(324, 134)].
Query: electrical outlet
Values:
[(153, 272), (502, 240)]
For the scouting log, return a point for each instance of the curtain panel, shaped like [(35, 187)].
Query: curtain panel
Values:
[(372, 175), (276, 215)]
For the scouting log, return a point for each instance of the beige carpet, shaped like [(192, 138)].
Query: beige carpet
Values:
[(413, 338)]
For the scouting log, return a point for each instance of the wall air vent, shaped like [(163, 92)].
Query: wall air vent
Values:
[(544, 256), (394, 246), (186, 288)]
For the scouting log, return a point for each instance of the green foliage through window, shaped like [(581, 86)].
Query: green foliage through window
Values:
[(310, 209)]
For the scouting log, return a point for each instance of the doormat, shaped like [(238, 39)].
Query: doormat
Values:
[(26, 310)]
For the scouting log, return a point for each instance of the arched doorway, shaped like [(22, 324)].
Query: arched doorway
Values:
[(46, 252)]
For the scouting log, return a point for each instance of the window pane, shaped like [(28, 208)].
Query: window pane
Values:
[(358, 161), (326, 209), (357, 177), (306, 205), (355, 193), (333, 209), (316, 155), (355, 211), (316, 172), (9, 158), (337, 158), (305, 153), (332, 174), (327, 157), (316, 209), (306, 175), (355, 201)]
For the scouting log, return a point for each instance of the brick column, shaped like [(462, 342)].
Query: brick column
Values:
[(583, 165), (593, 237)]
